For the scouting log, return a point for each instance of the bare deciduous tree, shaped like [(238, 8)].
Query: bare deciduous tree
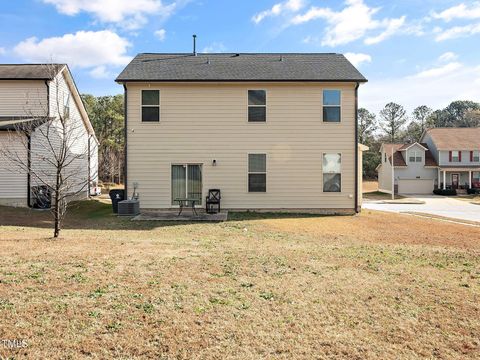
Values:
[(53, 148)]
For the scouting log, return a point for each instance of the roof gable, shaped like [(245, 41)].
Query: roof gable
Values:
[(399, 157), (29, 71), (240, 67), (455, 138)]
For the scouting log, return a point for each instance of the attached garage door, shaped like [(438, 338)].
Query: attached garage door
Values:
[(415, 186)]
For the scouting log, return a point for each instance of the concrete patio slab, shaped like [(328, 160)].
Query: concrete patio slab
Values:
[(187, 215)]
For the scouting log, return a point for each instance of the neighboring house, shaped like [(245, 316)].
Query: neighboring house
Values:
[(415, 169), (32, 96), (444, 158), (457, 153), (271, 131)]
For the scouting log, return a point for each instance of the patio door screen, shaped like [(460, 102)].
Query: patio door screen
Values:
[(187, 182)]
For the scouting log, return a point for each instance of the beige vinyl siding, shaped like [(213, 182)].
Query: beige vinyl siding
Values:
[(78, 140), (13, 181), (23, 98), (203, 122)]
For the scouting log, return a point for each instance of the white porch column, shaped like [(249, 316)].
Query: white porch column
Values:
[(470, 179), (444, 179), (438, 178)]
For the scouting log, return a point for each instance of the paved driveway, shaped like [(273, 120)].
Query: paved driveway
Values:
[(435, 205)]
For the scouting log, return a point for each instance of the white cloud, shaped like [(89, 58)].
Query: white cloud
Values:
[(278, 9), (100, 72), (351, 23), (438, 71), (160, 34), (392, 26), (358, 58), (130, 14), (83, 49), (460, 11), (457, 31), (2, 51), (448, 56), (215, 47), (435, 87)]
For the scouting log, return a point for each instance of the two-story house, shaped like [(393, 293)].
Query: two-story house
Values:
[(446, 158), (32, 97), (414, 169), (271, 131), (457, 153)]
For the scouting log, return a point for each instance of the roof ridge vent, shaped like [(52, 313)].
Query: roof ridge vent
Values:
[(281, 57)]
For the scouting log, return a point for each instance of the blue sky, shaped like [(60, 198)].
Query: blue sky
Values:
[(412, 52)]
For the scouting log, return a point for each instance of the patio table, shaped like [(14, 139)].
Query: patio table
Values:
[(182, 202)]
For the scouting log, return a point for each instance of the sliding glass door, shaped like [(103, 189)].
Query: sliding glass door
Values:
[(187, 182)]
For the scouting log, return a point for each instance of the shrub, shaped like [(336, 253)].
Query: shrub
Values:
[(473, 191), (446, 192)]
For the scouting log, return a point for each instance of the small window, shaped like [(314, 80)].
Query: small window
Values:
[(385, 157), (150, 105), (332, 172), (455, 156), (415, 156), (66, 105), (257, 106), (257, 172), (476, 156), (331, 106)]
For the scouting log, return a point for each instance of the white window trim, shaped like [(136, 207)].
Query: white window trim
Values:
[(341, 173), (341, 107), (416, 155), (186, 182), (142, 106), (458, 156), (265, 106), (266, 172)]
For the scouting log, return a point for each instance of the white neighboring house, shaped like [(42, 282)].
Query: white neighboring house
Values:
[(34, 95), (446, 158), (415, 169)]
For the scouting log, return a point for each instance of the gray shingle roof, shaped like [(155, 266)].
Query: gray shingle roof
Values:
[(240, 67), (29, 71)]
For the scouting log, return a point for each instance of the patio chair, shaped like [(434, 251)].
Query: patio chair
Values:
[(212, 201)]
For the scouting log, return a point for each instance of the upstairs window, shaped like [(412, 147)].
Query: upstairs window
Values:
[(332, 172), (475, 156), (150, 105), (455, 156), (331, 106), (257, 106), (415, 156), (257, 172)]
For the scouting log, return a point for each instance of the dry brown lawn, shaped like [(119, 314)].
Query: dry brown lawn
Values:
[(373, 286)]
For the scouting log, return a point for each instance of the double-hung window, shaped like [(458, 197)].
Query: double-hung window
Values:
[(150, 105), (257, 106), (332, 172), (475, 156), (415, 156), (455, 156), (332, 106), (257, 173)]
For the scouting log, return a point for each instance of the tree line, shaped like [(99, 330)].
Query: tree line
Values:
[(394, 125), (106, 114)]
